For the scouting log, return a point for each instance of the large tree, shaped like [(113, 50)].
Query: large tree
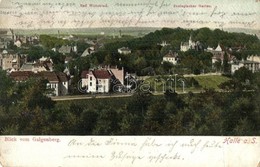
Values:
[(6, 89)]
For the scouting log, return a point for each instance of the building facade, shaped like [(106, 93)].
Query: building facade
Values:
[(250, 65), (185, 46), (102, 80), (97, 81), (171, 57), (57, 82), (10, 61)]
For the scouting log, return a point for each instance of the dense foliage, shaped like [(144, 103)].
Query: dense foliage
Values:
[(147, 53), (25, 109)]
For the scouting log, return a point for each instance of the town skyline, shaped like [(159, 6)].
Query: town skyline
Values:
[(64, 82)]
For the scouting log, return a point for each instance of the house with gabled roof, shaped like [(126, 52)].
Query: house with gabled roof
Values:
[(21, 76), (97, 81), (9, 60), (218, 53), (7, 35), (53, 81), (57, 81), (101, 80), (63, 83), (252, 63), (43, 64), (185, 46), (171, 57)]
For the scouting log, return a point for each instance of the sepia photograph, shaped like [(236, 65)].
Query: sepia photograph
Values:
[(129, 83)]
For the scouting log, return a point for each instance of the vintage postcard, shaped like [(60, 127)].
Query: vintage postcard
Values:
[(129, 83)]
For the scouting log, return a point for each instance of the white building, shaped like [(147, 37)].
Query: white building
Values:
[(218, 54), (88, 51), (58, 82), (250, 65), (18, 43), (10, 61), (185, 46), (124, 50), (97, 81), (101, 80), (171, 57), (63, 83), (163, 44), (255, 58)]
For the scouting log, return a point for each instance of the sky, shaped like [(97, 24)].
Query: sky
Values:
[(37, 14)]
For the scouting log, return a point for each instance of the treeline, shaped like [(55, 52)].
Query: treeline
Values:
[(206, 36), (174, 37), (146, 56), (26, 110)]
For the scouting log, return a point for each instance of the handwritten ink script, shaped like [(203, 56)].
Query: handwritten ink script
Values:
[(118, 13), (128, 151)]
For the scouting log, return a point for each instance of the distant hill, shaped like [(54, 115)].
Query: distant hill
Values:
[(148, 38), (206, 36), (134, 31), (247, 31)]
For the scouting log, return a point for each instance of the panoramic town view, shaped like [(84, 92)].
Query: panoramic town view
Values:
[(123, 81)]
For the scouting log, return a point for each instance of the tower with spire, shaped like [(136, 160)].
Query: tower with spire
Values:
[(191, 43)]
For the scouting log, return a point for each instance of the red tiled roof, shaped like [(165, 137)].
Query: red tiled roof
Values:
[(170, 54), (84, 74), (62, 77), (50, 76), (21, 75), (101, 74)]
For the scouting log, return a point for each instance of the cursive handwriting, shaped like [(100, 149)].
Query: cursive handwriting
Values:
[(193, 144), (171, 146), (238, 140), (161, 157), (216, 12), (116, 142), (109, 14), (131, 151), (121, 155), (90, 142), (150, 142), (211, 144)]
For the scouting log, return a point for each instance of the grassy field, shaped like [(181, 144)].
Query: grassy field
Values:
[(210, 81)]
